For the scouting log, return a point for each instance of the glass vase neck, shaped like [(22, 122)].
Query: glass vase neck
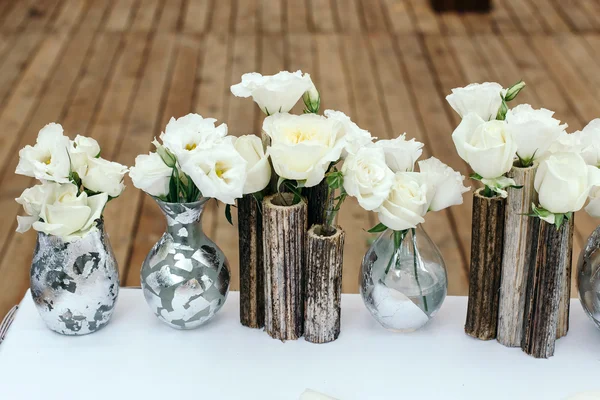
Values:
[(183, 219)]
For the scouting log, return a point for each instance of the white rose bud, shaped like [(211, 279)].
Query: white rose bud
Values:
[(219, 172), (191, 134), (563, 182), (276, 93), (483, 99), (533, 131), (488, 147), (354, 137), (406, 204), (258, 169), (401, 154), (103, 176), (445, 185), (48, 160), (312, 98), (303, 146), (367, 177), (167, 157), (590, 142), (151, 174), (68, 215)]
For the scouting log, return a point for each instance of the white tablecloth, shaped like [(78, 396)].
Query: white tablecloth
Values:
[(138, 357)]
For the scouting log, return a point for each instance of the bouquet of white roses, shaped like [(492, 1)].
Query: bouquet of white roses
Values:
[(198, 159), (304, 149), (76, 183)]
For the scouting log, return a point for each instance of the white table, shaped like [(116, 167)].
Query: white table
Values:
[(138, 357)]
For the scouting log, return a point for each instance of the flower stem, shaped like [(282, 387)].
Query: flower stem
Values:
[(415, 253)]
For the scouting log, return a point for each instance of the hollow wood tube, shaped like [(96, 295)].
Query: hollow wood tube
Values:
[(516, 260), (486, 265), (545, 289), (284, 250), (565, 300), (322, 312), (317, 198), (252, 291)]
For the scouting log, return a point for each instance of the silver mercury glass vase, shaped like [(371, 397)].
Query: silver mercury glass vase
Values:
[(403, 288), (588, 277), (185, 277), (75, 284)]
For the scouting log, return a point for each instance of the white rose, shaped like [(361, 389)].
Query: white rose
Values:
[(103, 176), (354, 136), (68, 215), (406, 204), (533, 130), (483, 99), (593, 207), (367, 177), (565, 143), (48, 160), (81, 150), (563, 182), (151, 174), (32, 200), (401, 154), (258, 169), (590, 142), (219, 172), (275, 93), (488, 147), (303, 146), (445, 184), (191, 134)]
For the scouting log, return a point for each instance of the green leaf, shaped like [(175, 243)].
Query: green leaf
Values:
[(378, 228), (558, 220), (502, 111), (335, 180), (280, 181), (228, 213), (476, 176), (398, 237)]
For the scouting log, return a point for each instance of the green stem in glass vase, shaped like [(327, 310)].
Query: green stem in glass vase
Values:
[(415, 253)]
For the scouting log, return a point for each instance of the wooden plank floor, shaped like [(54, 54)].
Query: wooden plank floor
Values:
[(117, 70)]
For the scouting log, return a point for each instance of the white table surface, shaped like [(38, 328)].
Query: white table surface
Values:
[(138, 357)]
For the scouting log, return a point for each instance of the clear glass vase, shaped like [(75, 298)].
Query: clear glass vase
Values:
[(403, 286), (588, 277), (185, 277)]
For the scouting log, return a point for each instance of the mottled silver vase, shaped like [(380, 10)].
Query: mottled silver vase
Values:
[(185, 277), (588, 277), (75, 284)]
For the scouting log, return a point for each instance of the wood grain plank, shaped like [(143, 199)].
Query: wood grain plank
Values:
[(426, 19), (478, 22), (297, 16), (572, 11), (374, 18), (243, 112), (170, 16), (121, 15), (527, 16), (592, 10), (197, 16), (453, 24), (503, 18), (469, 59), (246, 16), (17, 16), (145, 16), (151, 223), (69, 16), (140, 128), (321, 16), (551, 18), (220, 20), (271, 16), (399, 15), (347, 16), (301, 56)]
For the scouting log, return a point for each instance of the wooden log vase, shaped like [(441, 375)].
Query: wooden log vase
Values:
[(519, 250), (318, 200), (565, 300), (284, 252), (322, 312), (486, 264), (545, 289), (252, 291)]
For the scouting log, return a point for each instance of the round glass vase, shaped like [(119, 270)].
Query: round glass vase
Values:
[(185, 277), (75, 284), (588, 277), (403, 287)]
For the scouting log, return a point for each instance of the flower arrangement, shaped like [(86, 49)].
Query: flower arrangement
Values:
[(76, 183), (197, 159)]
